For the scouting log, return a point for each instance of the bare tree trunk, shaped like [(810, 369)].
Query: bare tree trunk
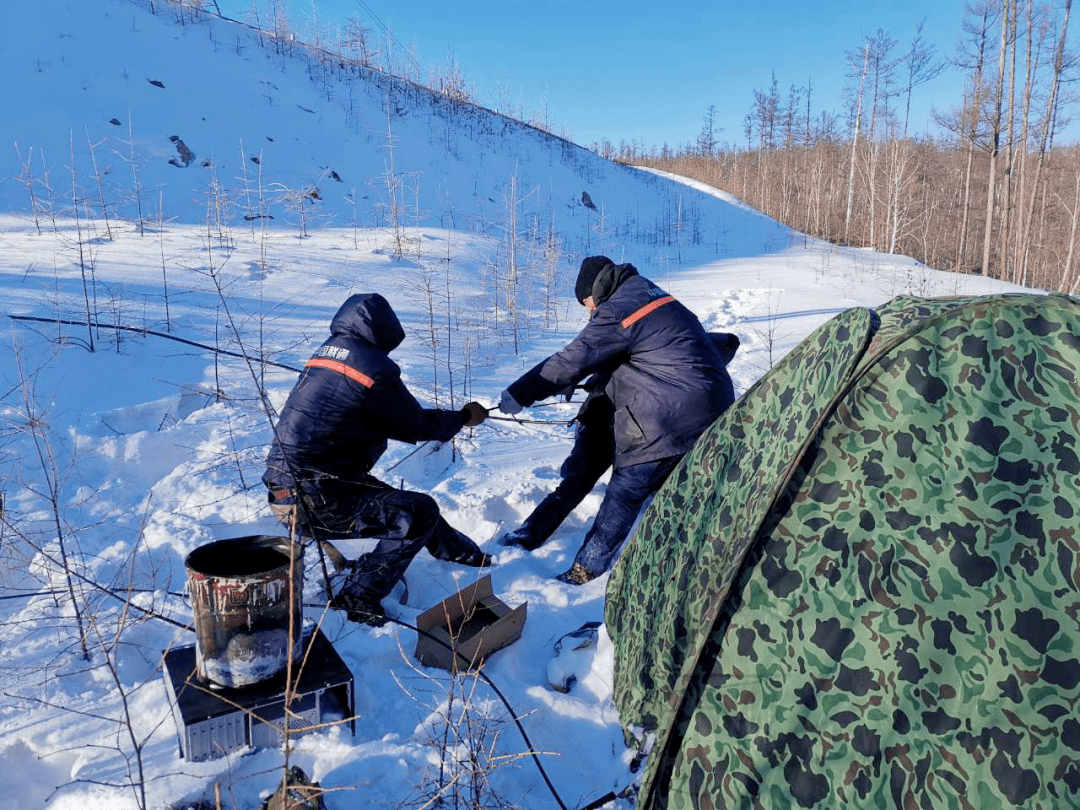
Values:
[(995, 140), (972, 122), (882, 80), (1066, 271), (1046, 135), (922, 66), (27, 179), (81, 244), (135, 177), (1010, 156), (855, 140), (101, 190), (1030, 69), (50, 471), (961, 241)]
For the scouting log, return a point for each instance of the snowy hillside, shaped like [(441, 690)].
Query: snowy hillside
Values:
[(137, 452), (188, 120)]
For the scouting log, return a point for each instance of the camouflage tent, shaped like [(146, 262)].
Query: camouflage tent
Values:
[(862, 586)]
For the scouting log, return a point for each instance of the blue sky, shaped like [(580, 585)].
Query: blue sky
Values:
[(646, 71)]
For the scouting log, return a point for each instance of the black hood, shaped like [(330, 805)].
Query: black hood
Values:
[(370, 317), (609, 279), (726, 344)]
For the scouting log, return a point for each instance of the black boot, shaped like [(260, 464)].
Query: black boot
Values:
[(474, 558), (461, 549), (360, 609), (521, 538)]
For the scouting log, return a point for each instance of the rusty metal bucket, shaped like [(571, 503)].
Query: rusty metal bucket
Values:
[(240, 597)]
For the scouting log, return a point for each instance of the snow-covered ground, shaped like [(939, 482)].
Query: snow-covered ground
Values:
[(153, 447)]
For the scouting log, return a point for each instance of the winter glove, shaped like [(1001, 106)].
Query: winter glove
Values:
[(507, 404), (474, 414)]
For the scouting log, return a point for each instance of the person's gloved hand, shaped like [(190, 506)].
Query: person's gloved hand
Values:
[(508, 405), (474, 413)]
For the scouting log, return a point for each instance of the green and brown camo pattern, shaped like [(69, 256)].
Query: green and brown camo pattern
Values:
[(862, 586)]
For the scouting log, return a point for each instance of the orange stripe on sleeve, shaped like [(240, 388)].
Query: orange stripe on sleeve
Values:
[(634, 317), (341, 368)]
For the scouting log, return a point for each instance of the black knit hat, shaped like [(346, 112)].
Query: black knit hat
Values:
[(590, 269)]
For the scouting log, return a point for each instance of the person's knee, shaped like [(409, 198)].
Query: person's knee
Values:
[(283, 512), (425, 514)]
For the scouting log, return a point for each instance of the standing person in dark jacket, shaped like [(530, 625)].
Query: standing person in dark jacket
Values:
[(335, 425), (668, 383), (590, 457)]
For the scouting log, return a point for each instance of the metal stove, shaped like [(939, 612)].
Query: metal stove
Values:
[(212, 721)]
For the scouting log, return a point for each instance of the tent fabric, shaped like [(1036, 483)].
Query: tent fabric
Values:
[(862, 585)]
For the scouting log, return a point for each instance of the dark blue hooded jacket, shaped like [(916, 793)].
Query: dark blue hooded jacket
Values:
[(349, 400), (669, 380)]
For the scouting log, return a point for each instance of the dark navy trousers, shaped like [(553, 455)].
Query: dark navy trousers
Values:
[(627, 491), (404, 522), (590, 457)]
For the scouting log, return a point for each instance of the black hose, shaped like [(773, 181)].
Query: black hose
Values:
[(141, 331), (531, 421), (607, 797), (216, 350), (28, 594), (513, 714)]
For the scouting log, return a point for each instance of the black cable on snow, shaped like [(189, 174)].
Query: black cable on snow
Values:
[(530, 421), (513, 714), (140, 331)]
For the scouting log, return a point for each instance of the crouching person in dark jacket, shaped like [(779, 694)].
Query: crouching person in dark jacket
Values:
[(668, 382), (348, 402)]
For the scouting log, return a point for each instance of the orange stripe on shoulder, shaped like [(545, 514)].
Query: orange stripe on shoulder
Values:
[(341, 368), (634, 317)]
